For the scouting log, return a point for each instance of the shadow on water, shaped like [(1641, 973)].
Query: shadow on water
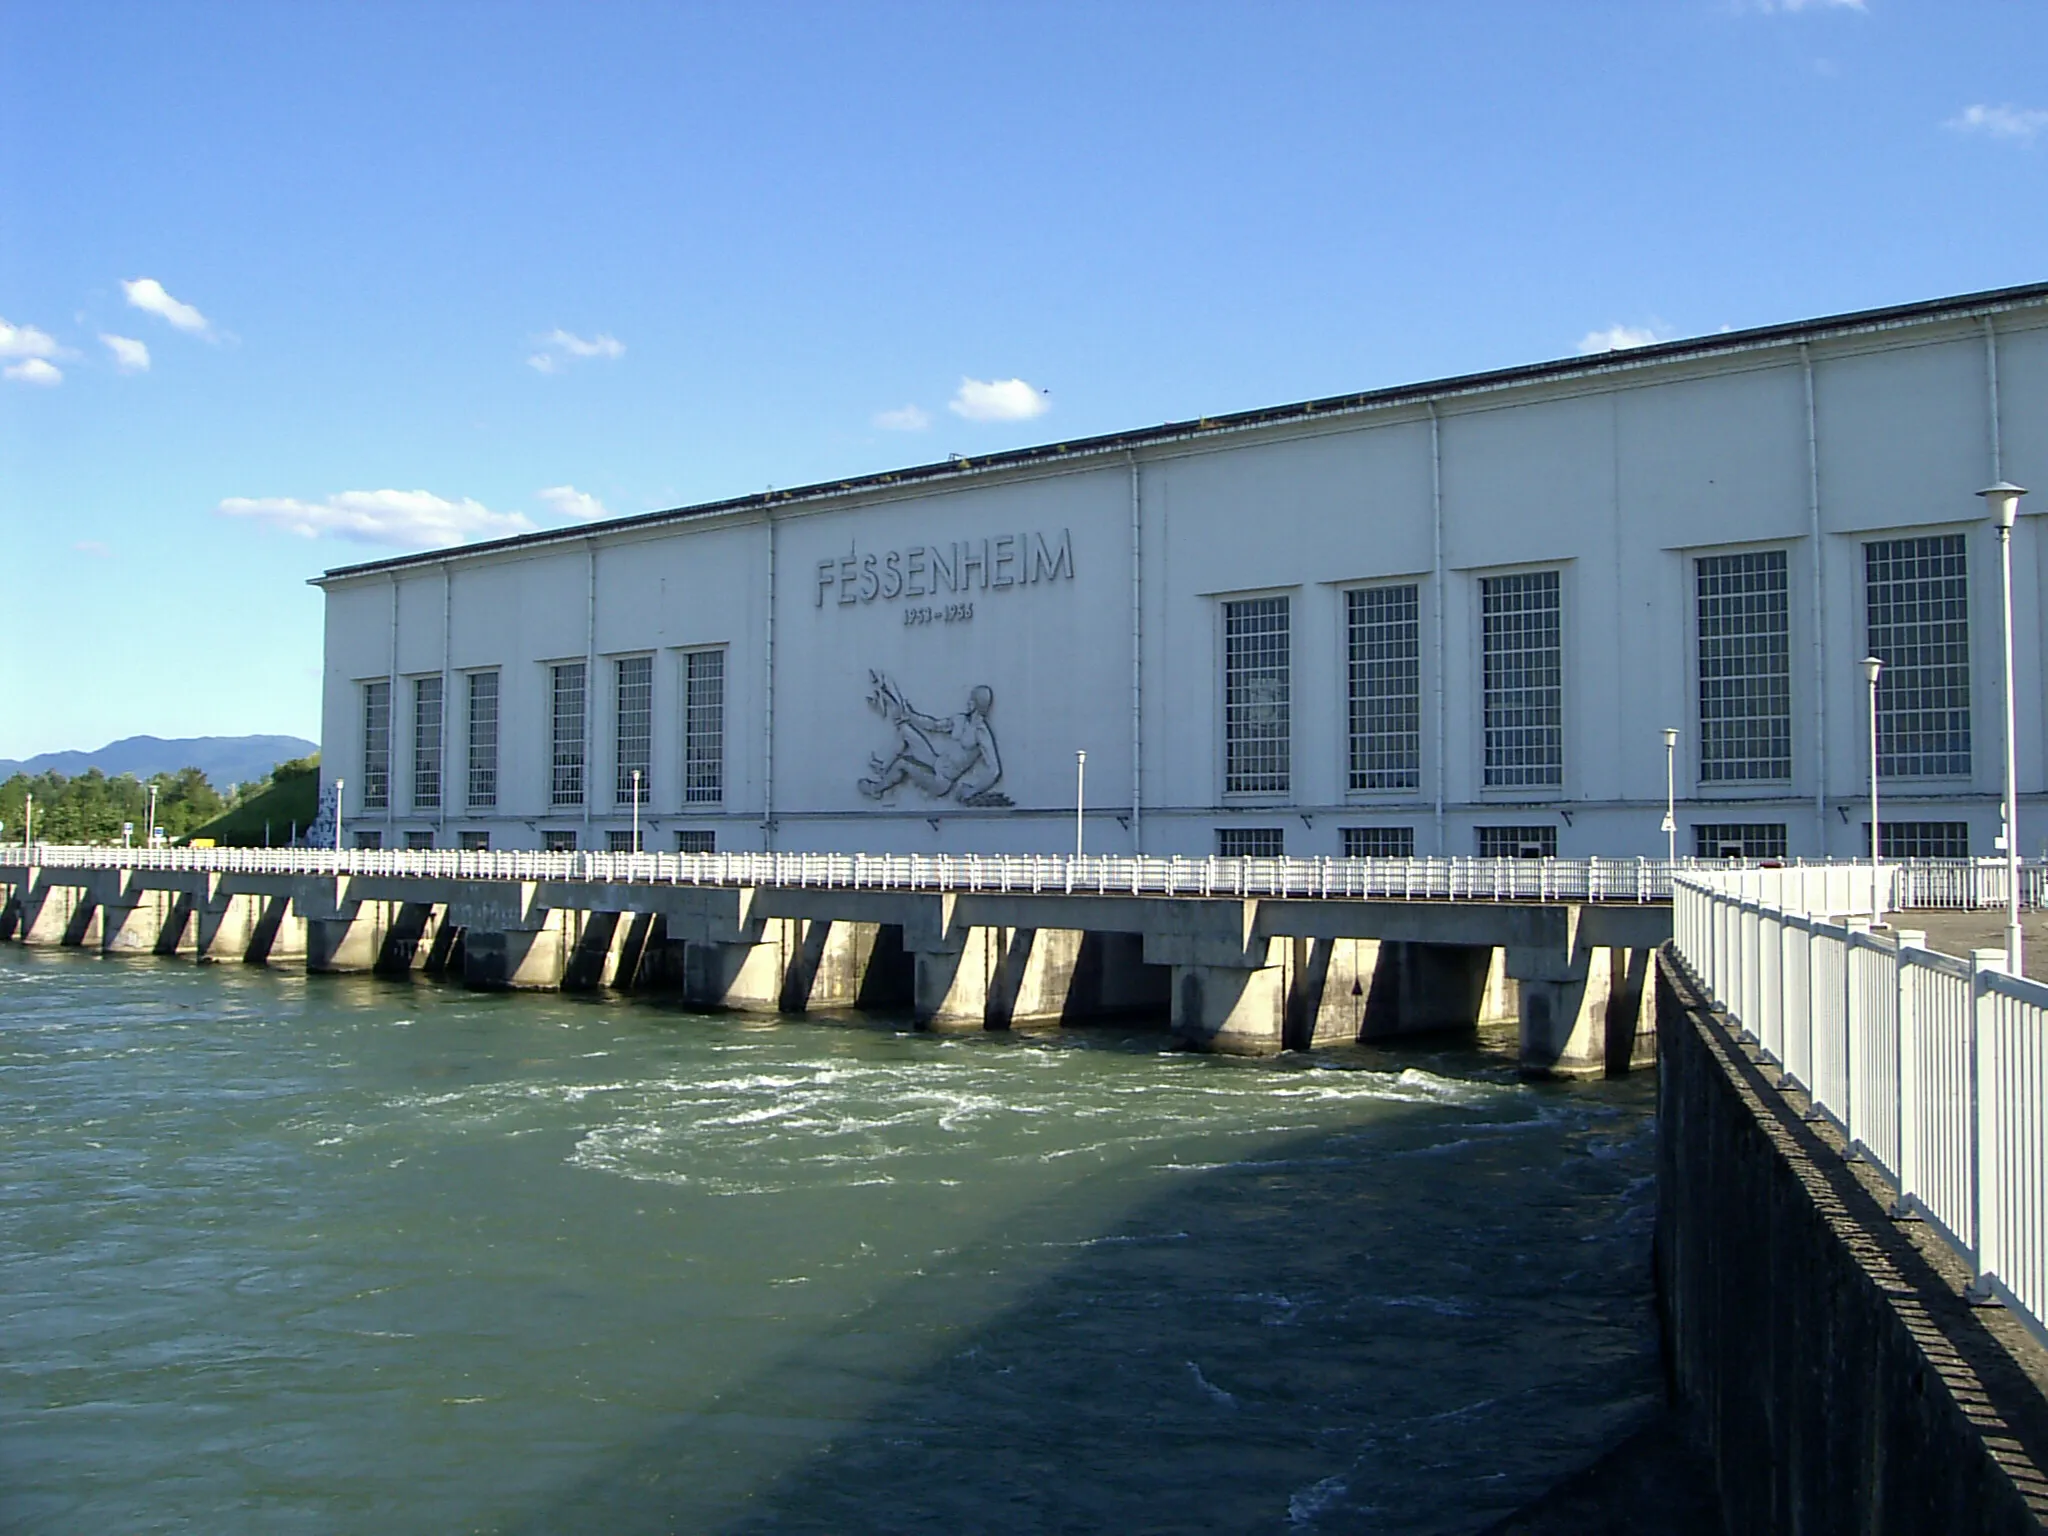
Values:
[(1411, 1326)]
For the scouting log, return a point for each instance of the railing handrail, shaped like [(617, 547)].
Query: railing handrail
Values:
[(1933, 1067)]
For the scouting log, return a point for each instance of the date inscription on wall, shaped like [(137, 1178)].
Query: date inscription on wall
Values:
[(938, 570)]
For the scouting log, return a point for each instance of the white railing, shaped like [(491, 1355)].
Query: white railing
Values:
[(1623, 880), (1933, 1068)]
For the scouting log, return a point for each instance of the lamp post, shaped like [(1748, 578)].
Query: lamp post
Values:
[(636, 810), (28, 822), (1871, 667), (149, 822), (1080, 796), (2003, 500), (1671, 793), (339, 786)]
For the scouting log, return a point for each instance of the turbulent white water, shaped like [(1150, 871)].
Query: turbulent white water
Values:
[(321, 1254)]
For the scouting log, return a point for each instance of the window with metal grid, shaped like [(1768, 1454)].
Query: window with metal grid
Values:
[(1517, 842), (1379, 842), (376, 745), (566, 783), (1256, 666), (696, 840), (417, 840), (1522, 635), (1251, 842), (1743, 609), (426, 743), (483, 739), (704, 727), (619, 840), (634, 743), (369, 841), (1922, 840), (475, 842), (1384, 642), (1738, 839), (558, 840), (1917, 603)]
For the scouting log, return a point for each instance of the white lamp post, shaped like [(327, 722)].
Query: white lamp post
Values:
[(2003, 500), (1871, 667), (149, 823), (636, 810), (1671, 793), (1080, 796), (339, 786)]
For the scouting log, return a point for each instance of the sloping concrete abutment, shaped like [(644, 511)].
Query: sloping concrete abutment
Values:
[(1250, 975)]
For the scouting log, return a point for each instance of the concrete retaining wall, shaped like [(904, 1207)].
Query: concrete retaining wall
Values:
[(1821, 1353)]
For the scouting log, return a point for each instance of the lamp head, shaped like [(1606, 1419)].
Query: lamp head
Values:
[(2004, 501), (1670, 737), (1871, 667)]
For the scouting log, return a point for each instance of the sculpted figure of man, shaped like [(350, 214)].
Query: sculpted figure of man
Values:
[(949, 757)]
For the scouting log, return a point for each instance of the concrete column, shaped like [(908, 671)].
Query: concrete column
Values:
[(1563, 1008), (1238, 1009), (532, 955), (53, 914)]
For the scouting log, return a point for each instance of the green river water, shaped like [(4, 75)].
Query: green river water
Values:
[(320, 1254)]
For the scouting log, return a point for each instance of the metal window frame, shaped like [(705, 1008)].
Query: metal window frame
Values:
[(704, 727), (1759, 839), (1929, 665), (480, 767), (1251, 842), (428, 746), (630, 751), (1270, 775), (1544, 836), (1378, 842), (1496, 738), (1736, 666), (568, 755), (376, 718), (1398, 770)]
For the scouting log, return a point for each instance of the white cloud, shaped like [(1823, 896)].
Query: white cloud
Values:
[(147, 294), (2022, 124), (567, 501), (27, 341), (998, 400), (1617, 337), (905, 418), (130, 355), (34, 371), (559, 345), (416, 518)]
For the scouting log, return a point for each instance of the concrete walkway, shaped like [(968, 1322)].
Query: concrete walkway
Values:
[(1957, 933)]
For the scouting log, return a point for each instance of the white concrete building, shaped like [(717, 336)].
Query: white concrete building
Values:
[(1452, 618)]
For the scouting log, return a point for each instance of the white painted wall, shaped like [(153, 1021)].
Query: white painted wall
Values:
[(1617, 478)]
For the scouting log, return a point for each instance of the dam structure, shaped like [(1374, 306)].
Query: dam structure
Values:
[(1244, 955)]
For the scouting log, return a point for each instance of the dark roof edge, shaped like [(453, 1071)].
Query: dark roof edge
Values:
[(1961, 306)]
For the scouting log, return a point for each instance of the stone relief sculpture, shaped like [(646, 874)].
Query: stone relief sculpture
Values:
[(947, 757)]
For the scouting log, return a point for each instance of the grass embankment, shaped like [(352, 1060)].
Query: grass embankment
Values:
[(289, 803)]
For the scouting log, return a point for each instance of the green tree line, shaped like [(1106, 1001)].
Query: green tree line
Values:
[(90, 807)]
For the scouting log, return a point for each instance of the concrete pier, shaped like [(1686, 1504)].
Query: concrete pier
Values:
[(1235, 974)]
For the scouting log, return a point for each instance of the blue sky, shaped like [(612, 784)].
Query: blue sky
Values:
[(284, 287)]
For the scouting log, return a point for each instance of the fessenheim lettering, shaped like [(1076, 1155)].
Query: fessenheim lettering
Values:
[(965, 565)]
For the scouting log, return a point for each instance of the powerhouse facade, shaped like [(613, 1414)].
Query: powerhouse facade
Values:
[(1455, 618)]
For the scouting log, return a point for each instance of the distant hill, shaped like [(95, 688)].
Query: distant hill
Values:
[(224, 760)]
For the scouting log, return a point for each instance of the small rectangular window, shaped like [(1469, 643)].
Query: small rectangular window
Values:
[(704, 727), (1917, 602), (376, 746), (696, 840), (483, 740), (558, 840), (1744, 615), (635, 734), (567, 738), (1379, 842), (1522, 637), (1251, 842), (1517, 842), (475, 842), (1256, 681), (1384, 642), (426, 743), (1922, 840), (619, 840), (416, 840), (369, 840), (1739, 840)]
